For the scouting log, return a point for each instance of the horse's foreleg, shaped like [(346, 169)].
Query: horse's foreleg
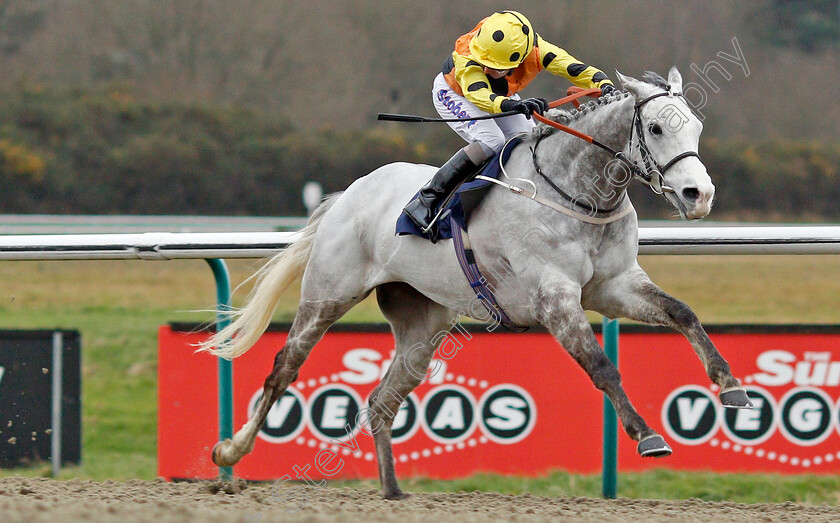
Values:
[(560, 311), (635, 296), (311, 322)]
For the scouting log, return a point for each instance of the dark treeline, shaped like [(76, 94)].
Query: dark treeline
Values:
[(108, 152)]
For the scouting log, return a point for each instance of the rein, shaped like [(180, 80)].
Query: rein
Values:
[(591, 215), (574, 201)]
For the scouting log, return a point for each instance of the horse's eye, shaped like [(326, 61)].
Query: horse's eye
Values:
[(655, 129)]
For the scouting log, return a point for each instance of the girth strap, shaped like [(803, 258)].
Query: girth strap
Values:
[(478, 283)]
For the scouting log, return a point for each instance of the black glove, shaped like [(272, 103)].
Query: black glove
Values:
[(607, 89), (527, 106)]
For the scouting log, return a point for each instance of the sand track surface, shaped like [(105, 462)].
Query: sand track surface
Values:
[(40, 499)]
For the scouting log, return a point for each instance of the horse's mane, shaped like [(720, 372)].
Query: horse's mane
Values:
[(568, 117)]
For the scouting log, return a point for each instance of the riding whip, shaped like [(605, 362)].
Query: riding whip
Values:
[(421, 119)]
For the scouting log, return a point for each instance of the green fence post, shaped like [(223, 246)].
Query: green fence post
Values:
[(610, 464), (222, 276)]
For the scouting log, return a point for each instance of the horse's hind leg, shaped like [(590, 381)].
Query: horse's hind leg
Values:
[(418, 324), (561, 313), (311, 322), (633, 295)]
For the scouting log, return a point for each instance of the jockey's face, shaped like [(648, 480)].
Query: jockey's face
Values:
[(496, 73)]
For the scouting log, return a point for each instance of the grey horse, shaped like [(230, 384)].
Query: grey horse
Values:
[(554, 265)]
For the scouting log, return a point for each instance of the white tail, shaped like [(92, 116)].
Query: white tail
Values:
[(251, 321)]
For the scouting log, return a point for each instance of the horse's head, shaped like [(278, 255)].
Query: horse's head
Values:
[(664, 142)]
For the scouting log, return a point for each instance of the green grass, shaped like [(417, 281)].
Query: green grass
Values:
[(119, 379), (118, 307)]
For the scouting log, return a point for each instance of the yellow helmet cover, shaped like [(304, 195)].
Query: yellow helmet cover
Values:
[(503, 41)]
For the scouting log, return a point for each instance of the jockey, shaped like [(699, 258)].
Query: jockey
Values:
[(490, 64)]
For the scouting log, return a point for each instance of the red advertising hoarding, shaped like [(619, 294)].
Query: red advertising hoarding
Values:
[(511, 404)]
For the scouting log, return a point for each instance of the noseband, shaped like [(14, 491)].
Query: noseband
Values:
[(652, 173)]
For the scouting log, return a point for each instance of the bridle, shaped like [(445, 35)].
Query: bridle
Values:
[(651, 173), (654, 173)]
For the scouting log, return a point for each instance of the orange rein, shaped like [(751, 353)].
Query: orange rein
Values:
[(573, 93)]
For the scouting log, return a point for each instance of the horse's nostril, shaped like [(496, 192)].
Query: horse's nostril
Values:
[(691, 194)]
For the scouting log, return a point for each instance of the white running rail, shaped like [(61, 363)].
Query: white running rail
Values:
[(817, 239)]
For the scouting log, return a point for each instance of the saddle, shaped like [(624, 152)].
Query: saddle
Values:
[(453, 225), (460, 206)]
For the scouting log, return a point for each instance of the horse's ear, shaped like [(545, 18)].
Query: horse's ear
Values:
[(635, 87), (675, 79)]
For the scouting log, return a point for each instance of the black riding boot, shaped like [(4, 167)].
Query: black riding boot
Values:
[(423, 210)]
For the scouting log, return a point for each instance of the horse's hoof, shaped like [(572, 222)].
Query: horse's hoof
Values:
[(396, 495), (736, 399), (653, 447), (216, 456)]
